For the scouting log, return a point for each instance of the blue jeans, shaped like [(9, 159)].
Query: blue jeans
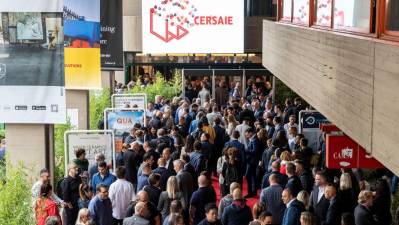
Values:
[(394, 184)]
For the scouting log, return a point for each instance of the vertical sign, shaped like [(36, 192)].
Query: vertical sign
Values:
[(82, 44), (32, 86), (111, 35), (122, 121), (309, 121)]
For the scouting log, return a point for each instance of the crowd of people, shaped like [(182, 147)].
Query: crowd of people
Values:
[(250, 146)]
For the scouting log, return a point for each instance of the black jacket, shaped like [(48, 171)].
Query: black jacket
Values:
[(319, 208), (307, 181), (238, 213), (130, 158), (70, 190), (333, 213), (363, 216), (294, 184)]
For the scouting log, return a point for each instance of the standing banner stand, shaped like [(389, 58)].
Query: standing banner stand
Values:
[(93, 141), (309, 121), (121, 122)]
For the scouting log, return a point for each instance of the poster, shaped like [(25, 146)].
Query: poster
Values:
[(122, 121), (32, 62), (93, 142), (111, 35), (195, 26), (82, 44), (309, 122), (125, 101)]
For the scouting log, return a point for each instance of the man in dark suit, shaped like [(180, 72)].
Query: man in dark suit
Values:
[(318, 203), (333, 213), (278, 126), (293, 183), (130, 161), (184, 179), (165, 173), (252, 154)]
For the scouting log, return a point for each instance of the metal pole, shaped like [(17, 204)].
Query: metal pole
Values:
[(183, 83), (244, 82), (213, 83), (274, 89)]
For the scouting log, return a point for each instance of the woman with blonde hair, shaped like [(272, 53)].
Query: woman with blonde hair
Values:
[(307, 218), (303, 197), (285, 158), (346, 192), (83, 217), (172, 193), (363, 214), (232, 123)]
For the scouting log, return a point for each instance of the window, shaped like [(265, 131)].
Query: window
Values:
[(392, 15), (352, 14), (323, 12), (287, 9), (301, 11)]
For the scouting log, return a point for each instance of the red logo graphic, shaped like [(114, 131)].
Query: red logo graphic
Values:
[(171, 19)]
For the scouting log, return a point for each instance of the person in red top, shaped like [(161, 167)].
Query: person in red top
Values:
[(45, 206)]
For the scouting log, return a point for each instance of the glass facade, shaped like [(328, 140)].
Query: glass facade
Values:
[(323, 12), (301, 11), (352, 14)]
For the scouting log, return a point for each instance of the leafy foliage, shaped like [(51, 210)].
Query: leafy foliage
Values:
[(168, 89), (283, 92), (15, 208), (59, 131), (99, 100)]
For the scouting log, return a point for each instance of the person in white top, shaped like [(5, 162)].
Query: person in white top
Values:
[(44, 178), (291, 123), (121, 193), (242, 128)]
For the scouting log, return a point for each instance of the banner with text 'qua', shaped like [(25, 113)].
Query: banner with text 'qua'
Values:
[(111, 35), (82, 44), (32, 85)]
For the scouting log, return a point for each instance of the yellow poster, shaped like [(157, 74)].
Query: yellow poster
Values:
[(82, 44), (82, 68)]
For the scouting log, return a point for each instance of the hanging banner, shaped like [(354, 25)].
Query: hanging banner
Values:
[(111, 35), (32, 62), (126, 101), (195, 26), (93, 142), (343, 152), (122, 121), (82, 44), (309, 122)]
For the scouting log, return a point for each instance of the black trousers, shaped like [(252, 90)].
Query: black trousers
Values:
[(117, 222), (71, 215)]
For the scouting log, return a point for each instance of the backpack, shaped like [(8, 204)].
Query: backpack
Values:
[(230, 174)]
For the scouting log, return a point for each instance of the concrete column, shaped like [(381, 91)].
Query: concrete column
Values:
[(32, 144), (79, 99)]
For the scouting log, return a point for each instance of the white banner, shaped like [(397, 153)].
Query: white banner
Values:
[(32, 83), (195, 26), (129, 101), (94, 142), (31, 6)]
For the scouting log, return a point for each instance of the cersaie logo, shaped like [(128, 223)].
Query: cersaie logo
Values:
[(172, 19)]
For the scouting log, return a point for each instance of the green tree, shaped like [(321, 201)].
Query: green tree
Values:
[(15, 201), (59, 131), (99, 100), (168, 89)]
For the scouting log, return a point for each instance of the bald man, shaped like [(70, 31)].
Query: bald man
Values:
[(238, 213), (204, 195), (281, 178), (333, 212), (153, 215)]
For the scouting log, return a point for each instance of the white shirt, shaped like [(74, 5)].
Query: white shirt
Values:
[(320, 194), (36, 192), (242, 128), (121, 193)]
